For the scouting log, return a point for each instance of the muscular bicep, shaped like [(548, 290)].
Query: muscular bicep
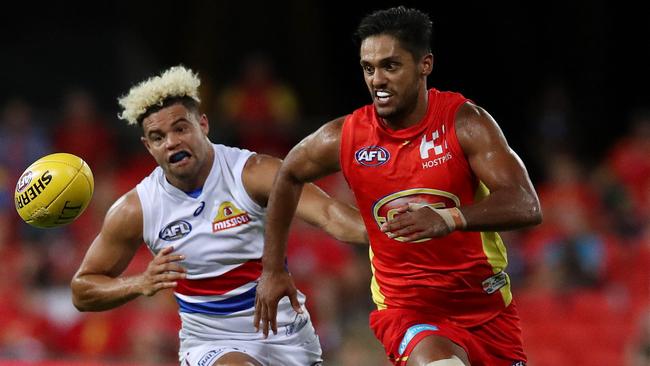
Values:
[(312, 158), (490, 158), (258, 178), (119, 239), (317, 155)]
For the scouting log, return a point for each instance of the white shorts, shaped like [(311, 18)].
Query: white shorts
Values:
[(291, 348)]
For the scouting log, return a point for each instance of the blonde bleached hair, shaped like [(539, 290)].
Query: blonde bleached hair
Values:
[(177, 81)]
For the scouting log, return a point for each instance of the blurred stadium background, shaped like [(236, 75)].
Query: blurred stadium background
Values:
[(567, 81)]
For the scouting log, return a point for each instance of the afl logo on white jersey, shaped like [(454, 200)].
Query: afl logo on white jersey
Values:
[(175, 230), (372, 156)]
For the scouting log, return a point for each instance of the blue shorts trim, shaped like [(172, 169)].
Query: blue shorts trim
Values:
[(412, 332)]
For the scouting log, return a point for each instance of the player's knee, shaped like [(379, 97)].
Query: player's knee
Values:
[(453, 361), (236, 359), (439, 348)]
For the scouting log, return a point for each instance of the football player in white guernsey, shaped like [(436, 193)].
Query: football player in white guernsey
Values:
[(201, 213)]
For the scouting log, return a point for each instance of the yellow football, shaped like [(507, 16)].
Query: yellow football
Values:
[(54, 190)]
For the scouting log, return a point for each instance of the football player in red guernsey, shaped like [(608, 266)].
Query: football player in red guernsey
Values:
[(435, 180)]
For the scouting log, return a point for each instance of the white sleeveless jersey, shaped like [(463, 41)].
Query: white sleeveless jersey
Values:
[(221, 234)]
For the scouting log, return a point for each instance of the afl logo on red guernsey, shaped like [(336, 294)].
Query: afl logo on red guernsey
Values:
[(388, 207), (372, 156)]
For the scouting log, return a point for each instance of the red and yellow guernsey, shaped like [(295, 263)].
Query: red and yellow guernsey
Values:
[(460, 277)]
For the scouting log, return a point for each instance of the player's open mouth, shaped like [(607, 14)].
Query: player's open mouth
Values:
[(175, 158), (382, 96)]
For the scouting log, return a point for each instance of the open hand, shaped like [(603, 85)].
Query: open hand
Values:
[(273, 286), (162, 272)]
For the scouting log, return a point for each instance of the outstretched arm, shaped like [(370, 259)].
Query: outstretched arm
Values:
[(314, 157), (512, 202), (339, 219), (97, 285)]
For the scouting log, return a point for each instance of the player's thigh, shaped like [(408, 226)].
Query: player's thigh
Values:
[(434, 348), (221, 353), (308, 353), (236, 359)]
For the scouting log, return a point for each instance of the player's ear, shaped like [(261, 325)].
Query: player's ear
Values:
[(426, 64), (145, 142), (204, 124)]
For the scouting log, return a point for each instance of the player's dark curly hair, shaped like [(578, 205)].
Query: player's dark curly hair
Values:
[(411, 27)]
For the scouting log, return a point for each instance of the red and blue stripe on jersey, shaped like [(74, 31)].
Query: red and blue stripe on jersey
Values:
[(228, 293)]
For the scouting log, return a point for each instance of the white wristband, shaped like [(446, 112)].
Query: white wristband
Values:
[(453, 217)]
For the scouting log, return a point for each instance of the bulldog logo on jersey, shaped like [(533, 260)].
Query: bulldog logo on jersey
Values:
[(372, 156), (229, 216), (387, 208)]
